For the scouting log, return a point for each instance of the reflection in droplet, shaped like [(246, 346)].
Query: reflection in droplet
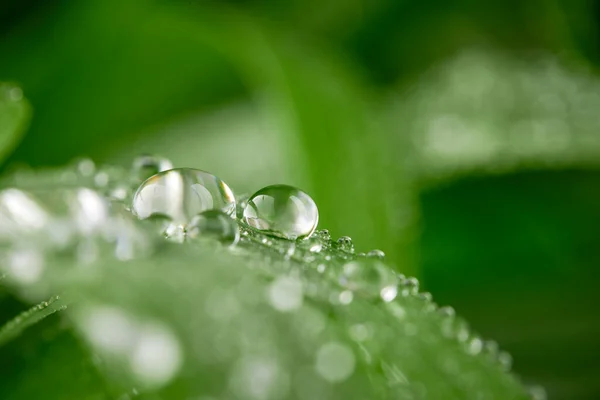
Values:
[(335, 362), (283, 211), (147, 165), (214, 224), (181, 194)]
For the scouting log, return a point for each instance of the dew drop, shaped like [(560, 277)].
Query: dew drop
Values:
[(146, 165), (505, 360), (475, 346), (286, 294), (282, 211), (409, 286), (369, 278), (345, 297), (324, 236), (181, 194), (335, 362), (537, 393), (447, 311), (378, 254), (214, 224), (344, 243)]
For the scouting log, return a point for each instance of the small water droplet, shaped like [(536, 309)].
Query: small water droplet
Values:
[(214, 224), (447, 311), (537, 393), (425, 296), (370, 278), (25, 266), (491, 348), (344, 243), (15, 94), (345, 297), (376, 254), (361, 255), (409, 286), (240, 204), (389, 293), (335, 362), (282, 211), (475, 346), (505, 360), (146, 166), (181, 194), (85, 167), (321, 268), (324, 235), (89, 210), (286, 294)]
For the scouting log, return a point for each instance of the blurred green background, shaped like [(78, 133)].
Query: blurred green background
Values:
[(460, 137)]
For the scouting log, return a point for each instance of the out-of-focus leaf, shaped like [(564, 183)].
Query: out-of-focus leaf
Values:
[(14, 117), (483, 113)]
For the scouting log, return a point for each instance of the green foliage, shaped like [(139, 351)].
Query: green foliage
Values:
[(14, 117)]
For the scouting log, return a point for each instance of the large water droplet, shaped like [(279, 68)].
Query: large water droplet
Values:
[(283, 211), (214, 224), (147, 165), (182, 193), (370, 278)]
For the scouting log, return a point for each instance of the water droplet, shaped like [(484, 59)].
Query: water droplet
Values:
[(344, 243), (282, 211), (324, 236), (537, 393), (89, 210), (370, 278), (389, 293), (505, 360), (85, 167), (425, 296), (312, 244), (361, 255), (475, 346), (25, 265), (409, 286), (156, 356), (286, 294), (181, 194), (335, 362), (240, 204), (214, 224), (321, 268), (378, 254), (345, 297), (447, 311), (146, 166)]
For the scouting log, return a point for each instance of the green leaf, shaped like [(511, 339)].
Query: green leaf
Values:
[(15, 327), (201, 319), (14, 117)]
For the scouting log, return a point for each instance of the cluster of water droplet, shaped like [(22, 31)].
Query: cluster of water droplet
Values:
[(122, 210)]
